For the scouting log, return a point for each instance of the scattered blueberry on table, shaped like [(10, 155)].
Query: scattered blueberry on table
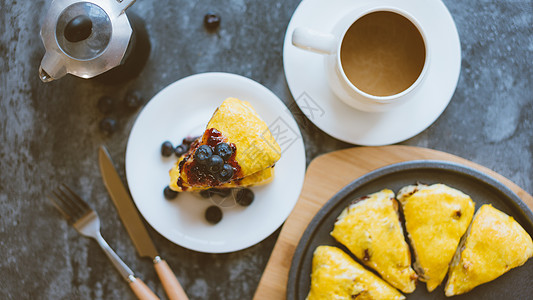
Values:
[(244, 197), (221, 192), (211, 21), (169, 193), (181, 149), (108, 126), (167, 149), (213, 214), (133, 100), (188, 140)]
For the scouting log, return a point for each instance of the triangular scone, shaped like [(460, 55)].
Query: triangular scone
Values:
[(335, 275), (254, 150), (436, 217), (370, 228), (493, 244)]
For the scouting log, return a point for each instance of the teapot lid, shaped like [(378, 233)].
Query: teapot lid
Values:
[(84, 38)]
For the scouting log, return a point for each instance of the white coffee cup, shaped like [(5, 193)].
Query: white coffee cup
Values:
[(375, 57)]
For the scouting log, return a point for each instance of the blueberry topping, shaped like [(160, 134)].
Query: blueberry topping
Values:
[(211, 21), (169, 193), (225, 174), (180, 150), (167, 149), (133, 100), (224, 150), (105, 104), (213, 214), (244, 197), (108, 126), (203, 153), (215, 164)]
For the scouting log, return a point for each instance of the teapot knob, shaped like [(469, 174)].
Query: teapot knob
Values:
[(78, 29)]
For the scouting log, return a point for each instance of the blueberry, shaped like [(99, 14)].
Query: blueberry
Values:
[(133, 100), (188, 140), (244, 197), (225, 174), (221, 192), (205, 193), (202, 154), (213, 214), (167, 149), (211, 21), (215, 164), (105, 104), (169, 193), (224, 150), (180, 150), (108, 125)]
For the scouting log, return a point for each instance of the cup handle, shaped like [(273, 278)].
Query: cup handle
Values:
[(314, 41)]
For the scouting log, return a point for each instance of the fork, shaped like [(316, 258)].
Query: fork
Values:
[(85, 220)]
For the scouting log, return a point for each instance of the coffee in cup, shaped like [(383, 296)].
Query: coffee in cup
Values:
[(382, 53), (375, 56)]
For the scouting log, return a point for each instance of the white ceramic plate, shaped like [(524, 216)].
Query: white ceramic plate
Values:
[(305, 74), (184, 108)]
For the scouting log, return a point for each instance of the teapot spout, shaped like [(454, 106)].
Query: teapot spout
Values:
[(51, 68), (45, 77)]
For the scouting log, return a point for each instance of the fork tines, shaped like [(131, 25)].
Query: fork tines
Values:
[(71, 206)]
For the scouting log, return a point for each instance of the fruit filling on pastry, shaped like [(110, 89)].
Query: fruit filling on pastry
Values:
[(236, 149)]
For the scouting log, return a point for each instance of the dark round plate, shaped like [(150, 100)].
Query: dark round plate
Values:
[(515, 284)]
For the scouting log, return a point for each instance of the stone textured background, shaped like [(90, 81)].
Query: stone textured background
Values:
[(49, 134)]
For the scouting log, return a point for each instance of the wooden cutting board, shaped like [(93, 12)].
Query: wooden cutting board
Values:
[(343, 167)]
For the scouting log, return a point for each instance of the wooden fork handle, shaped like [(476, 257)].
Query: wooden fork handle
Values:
[(141, 290), (168, 279)]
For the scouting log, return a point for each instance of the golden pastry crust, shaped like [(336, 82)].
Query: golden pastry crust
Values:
[(335, 275), (494, 244), (436, 217), (239, 122), (370, 228), (235, 122)]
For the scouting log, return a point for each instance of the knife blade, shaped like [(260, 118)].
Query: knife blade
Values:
[(134, 226)]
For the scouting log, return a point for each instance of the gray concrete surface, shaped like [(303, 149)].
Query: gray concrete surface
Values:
[(49, 134)]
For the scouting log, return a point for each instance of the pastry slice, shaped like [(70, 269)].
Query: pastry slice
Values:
[(370, 228), (493, 244), (235, 145), (436, 217), (335, 275)]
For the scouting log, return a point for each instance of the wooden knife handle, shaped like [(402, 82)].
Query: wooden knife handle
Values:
[(170, 282), (141, 290)]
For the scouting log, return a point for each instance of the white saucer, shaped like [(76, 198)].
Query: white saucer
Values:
[(305, 75), (184, 108)]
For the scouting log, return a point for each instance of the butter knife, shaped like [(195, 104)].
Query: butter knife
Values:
[(134, 226)]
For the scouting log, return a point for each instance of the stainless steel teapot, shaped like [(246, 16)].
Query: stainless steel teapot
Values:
[(84, 38)]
